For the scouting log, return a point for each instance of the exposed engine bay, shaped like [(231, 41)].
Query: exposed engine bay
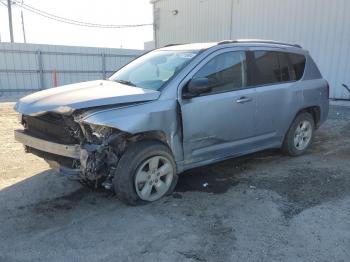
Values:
[(100, 147)]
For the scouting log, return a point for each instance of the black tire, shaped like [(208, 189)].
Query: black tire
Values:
[(288, 146), (129, 163)]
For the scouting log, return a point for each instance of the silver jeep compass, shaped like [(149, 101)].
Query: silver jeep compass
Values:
[(176, 108)]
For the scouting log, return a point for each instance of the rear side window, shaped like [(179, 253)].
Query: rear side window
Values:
[(266, 68), (298, 64), (270, 67)]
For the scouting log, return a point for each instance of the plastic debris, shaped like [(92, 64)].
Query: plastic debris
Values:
[(205, 184), (252, 187)]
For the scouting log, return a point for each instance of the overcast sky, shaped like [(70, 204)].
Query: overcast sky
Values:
[(44, 31)]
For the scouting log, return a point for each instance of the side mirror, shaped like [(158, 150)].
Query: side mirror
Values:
[(196, 87)]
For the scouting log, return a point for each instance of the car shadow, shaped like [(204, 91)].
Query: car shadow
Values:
[(219, 177), (47, 192)]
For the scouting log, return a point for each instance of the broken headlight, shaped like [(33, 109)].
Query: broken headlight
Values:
[(98, 133)]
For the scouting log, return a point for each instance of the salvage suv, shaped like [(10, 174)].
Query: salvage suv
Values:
[(176, 108)]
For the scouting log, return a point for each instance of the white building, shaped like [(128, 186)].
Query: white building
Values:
[(321, 26)]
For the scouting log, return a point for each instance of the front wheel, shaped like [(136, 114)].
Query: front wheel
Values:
[(145, 173), (299, 135)]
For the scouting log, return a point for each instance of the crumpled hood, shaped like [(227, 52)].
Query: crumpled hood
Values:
[(66, 99)]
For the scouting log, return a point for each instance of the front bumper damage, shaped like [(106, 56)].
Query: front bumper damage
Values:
[(72, 151), (93, 161)]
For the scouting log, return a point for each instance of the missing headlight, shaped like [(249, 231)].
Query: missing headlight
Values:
[(100, 132)]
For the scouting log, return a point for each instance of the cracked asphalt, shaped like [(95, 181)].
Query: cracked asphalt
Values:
[(261, 207)]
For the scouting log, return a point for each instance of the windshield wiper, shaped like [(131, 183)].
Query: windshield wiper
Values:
[(125, 82)]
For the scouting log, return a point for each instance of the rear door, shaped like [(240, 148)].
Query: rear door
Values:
[(220, 123), (274, 79)]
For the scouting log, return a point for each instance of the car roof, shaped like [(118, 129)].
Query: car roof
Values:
[(238, 42)]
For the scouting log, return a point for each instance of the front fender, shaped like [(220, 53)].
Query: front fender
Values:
[(160, 115)]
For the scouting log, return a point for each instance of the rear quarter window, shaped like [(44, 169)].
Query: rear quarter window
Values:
[(286, 68)]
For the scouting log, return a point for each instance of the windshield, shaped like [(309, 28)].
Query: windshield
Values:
[(153, 69)]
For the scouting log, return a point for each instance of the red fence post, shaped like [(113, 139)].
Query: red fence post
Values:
[(55, 80)]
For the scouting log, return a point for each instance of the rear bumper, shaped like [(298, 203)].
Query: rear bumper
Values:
[(72, 151)]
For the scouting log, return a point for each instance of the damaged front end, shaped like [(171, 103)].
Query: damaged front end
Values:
[(87, 152), (100, 152)]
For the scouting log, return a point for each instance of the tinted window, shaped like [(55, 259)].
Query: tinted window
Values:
[(225, 72), (269, 67), (266, 68), (286, 71), (298, 64)]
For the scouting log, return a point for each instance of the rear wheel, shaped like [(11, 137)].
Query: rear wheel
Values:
[(145, 173), (300, 135)]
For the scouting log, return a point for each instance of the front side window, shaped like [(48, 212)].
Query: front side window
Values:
[(225, 72), (154, 70)]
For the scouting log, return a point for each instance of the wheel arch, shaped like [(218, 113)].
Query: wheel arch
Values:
[(315, 111), (156, 135)]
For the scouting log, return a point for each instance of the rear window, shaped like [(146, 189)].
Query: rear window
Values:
[(270, 67), (298, 64)]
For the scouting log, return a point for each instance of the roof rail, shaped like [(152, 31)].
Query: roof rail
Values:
[(171, 45), (257, 41)]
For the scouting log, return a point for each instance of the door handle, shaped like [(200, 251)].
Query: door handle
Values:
[(243, 100)]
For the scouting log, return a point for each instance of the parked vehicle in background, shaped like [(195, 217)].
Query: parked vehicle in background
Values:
[(176, 108)]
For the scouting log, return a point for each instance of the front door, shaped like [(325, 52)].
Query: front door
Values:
[(220, 123)]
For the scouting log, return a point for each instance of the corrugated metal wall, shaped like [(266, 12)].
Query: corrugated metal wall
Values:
[(30, 67), (321, 26)]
